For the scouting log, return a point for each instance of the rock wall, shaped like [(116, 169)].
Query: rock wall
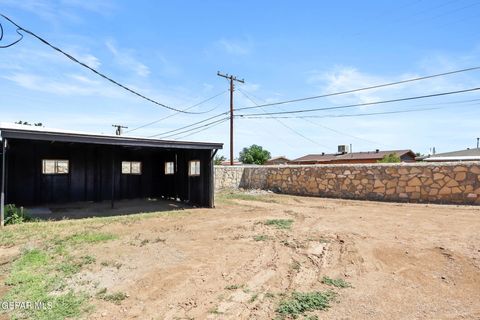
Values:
[(418, 182)]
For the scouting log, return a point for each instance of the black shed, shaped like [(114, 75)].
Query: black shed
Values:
[(42, 166)]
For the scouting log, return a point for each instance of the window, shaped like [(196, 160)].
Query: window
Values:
[(194, 168), (169, 168), (131, 167), (55, 166)]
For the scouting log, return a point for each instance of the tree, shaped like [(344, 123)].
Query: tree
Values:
[(254, 155), (390, 158), (218, 160), (25, 123)]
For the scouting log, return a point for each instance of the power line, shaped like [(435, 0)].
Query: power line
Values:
[(72, 58), (285, 125), (10, 44), (193, 129), (174, 114), (367, 103), (203, 129), (189, 125), (369, 113), (337, 116), (362, 89), (325, 127)]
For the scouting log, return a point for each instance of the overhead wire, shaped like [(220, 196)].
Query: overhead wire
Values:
[(72, 58), (362, 89), (331, 129), (176, 113), (370, 113), (193, 129), (10, 44), (203, 129), (285, 125), (189, 125), (368, 103)]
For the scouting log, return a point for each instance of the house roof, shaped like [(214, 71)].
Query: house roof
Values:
[(315, 157), (468, 154), (352, 156), (17, 131), (278, 158)]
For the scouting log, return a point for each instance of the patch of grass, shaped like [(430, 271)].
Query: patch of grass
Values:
[(101, 292), (7, 237), (280, 223), (233, 287), (116, 297), (320, 239), (88, 259), (89, 238), (296, 265), (68, 268), (260, 237), (270, 295), (33, 277), (225, 197), (113, 264), (338, 283), (253, 297), (299, 303), (214, 311)]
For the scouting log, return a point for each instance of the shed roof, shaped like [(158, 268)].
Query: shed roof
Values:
[(17, 131)]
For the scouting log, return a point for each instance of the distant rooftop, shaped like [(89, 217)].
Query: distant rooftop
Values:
[(467, 154), (366, 155)]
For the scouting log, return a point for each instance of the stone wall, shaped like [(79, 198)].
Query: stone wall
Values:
[(418, 182)]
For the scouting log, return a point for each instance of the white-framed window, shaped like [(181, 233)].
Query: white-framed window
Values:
[(131, 167), (169, 167), (52, 166), (194, 168)]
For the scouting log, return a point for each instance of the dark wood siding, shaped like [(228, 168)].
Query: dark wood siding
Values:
[(90, 173)]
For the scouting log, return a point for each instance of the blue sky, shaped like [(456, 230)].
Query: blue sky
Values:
[(171, 51)]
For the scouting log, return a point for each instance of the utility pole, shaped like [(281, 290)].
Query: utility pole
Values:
[(232, 87), (119, 127), (478, 139)]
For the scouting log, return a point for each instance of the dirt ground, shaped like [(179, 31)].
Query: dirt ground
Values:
[(403, 261)]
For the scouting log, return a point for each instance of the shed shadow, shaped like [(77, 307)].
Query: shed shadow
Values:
[(81, 210)]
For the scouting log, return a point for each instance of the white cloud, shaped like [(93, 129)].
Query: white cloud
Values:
[(53, 10), (344, 79), (126, 59), (239, 47), (88, 59), (341, 79), (72, 85), (97, 6)]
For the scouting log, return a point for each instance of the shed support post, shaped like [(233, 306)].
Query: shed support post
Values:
[(2, 196), (212, 180), (112, 204)]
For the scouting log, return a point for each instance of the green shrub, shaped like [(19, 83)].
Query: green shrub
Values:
[(390, 158), (280, 223), (14, 215), (299, 303), (339, 283)]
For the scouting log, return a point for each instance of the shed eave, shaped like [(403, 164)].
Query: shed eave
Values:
[(106, 140)]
